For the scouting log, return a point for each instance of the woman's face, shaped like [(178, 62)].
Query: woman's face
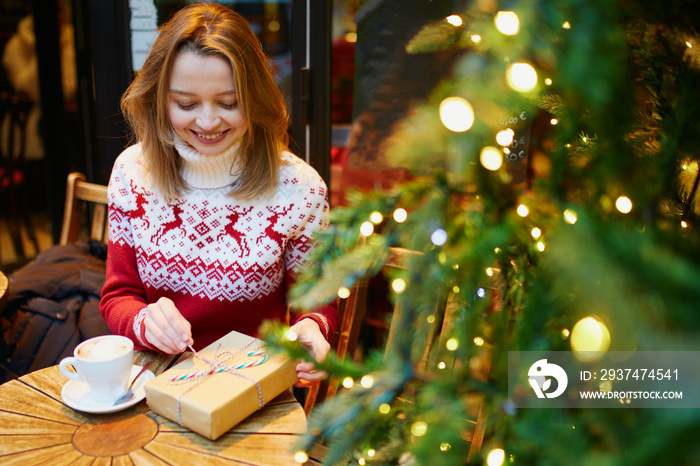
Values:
[(203, 104)]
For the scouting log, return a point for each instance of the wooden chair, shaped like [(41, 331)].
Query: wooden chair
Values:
[(84, 200), (353, 311)]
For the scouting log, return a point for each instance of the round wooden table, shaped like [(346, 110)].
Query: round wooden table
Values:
[(37, 427)]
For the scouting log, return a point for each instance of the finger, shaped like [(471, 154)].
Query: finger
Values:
[(303, 384), (179, 329), (171, 322), (158, 342), (159, 332), (305, 367), (312, 377)]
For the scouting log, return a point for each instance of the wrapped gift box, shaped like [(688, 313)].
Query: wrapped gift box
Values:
[(211, 404)]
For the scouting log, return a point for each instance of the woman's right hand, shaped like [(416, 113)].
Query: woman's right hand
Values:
[(166, 328)]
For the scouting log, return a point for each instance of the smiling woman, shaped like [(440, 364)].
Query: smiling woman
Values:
[(203, 104), (211, 217)]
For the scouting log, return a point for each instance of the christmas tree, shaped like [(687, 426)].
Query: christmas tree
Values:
[(554, 180)]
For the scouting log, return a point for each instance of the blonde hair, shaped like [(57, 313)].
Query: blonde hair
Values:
[(210, 30)]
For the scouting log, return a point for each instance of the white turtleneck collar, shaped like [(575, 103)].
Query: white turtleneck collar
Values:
[(208, 171)]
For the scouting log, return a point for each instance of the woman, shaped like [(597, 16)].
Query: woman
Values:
[(210, 216)]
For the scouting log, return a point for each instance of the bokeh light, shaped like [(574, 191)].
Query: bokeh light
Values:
[(400, 215), (491, 158), (507, 22), (496, 457), (454, 20), (456, 114), (521, 77), (623, 204), (588, 337)]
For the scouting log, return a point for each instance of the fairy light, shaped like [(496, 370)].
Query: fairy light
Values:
[(476, 38), (536, 233), (566, 25), (688, 44), (291, 335), (456, 114), (400, 215), (430, 319), (439, 237), (348, 382), (367, 381), (361, 462), (419, 428), (554, 122), (505, 137), (441, 365), (623, 204), (522, 210), (481, 293), (548, 81), (398, 285), (496, 457), (565, 333), (491, 158), (570, 216), (444, 446), (452, 344), (301, 457), (540, 246), (478, 341), (521, 77), (343, 292), (507, 23), (455, 289), (588, 337), (384, 408), (489, 271), (684, 224), (376, 217), (454, 20), (371, 452), (366, 229)]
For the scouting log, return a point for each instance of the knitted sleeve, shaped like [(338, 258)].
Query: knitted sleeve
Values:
[(314, 215), (123, 303)]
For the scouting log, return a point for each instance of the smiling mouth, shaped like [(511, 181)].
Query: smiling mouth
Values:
[(210, 137)]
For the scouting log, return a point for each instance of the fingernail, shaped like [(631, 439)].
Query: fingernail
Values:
[(181, 346), (185, 337)]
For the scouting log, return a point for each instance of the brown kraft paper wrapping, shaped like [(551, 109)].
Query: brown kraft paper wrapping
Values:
[(217, 402)]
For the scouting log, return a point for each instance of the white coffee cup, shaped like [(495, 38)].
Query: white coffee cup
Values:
[(104, 364)]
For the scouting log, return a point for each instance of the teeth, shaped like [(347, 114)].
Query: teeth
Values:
[(210, 136)]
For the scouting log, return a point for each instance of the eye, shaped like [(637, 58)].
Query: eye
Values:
[(228, 105), (185, 106)]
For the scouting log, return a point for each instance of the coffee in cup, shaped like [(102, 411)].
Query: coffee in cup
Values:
[(104, 363)]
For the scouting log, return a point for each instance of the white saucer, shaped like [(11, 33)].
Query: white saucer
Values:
[(76, 394)]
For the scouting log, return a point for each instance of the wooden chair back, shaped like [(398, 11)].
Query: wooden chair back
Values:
[(353, 312), (86, 204)]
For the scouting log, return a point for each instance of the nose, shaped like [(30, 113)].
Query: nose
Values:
[(208, 119)]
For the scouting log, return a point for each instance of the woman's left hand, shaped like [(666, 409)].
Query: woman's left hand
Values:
[(309, 335)]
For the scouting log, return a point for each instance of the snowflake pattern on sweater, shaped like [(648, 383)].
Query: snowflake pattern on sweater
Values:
[(226, 263)]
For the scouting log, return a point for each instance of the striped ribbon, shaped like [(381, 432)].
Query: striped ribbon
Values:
[(216, 366)]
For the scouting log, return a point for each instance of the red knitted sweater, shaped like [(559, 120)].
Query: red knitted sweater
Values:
[(227, 264)]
